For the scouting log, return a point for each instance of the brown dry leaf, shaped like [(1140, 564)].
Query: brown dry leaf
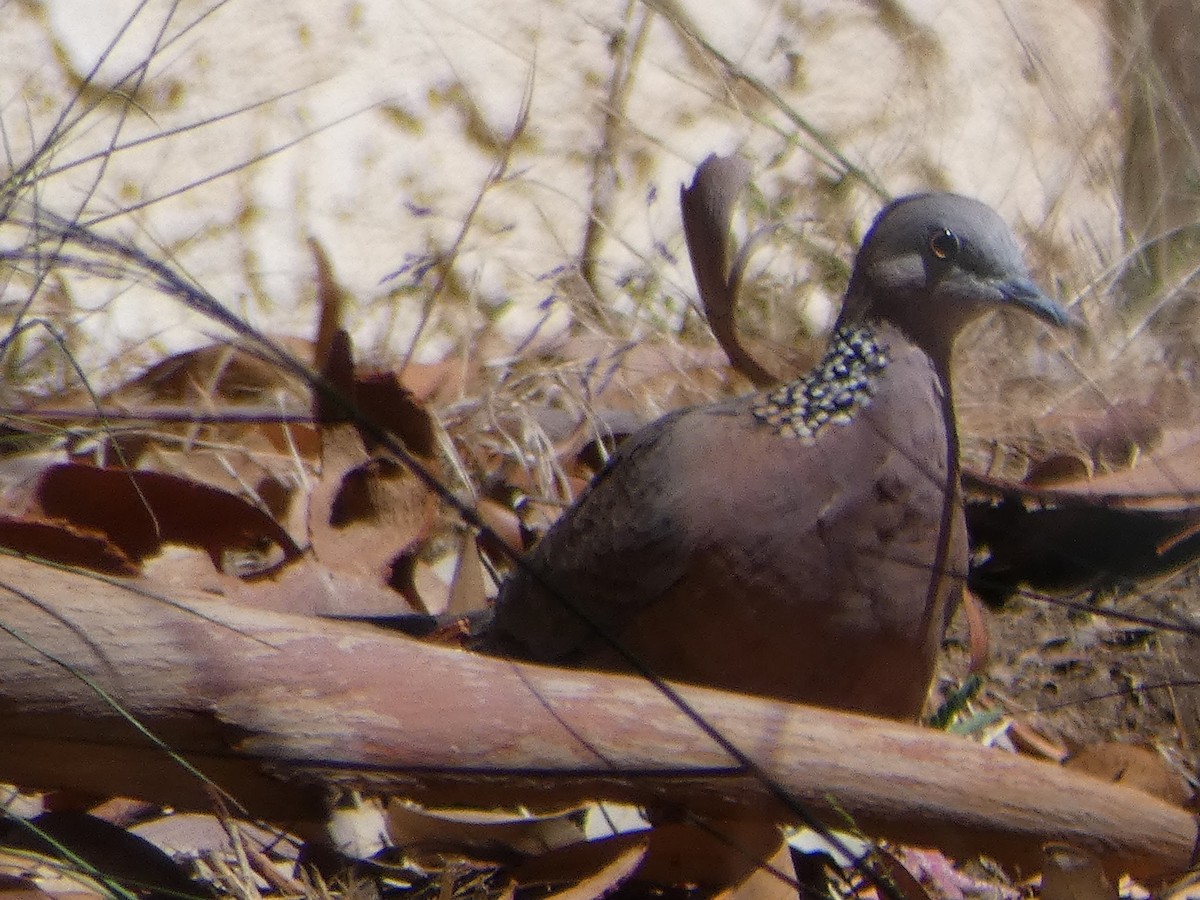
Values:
[(1071, 874), (335, 362), (1133, 766), (765, 883), (192, 834), (485, 832), (438, 384), (113, 852), (365, 510), (714, 856), (897, 874), (1111, 438), (979, 641), (331, 301), (1166, 480), (308, 587), (504, 523), (1070, 542), (1062, 468), (216, 381), (385, 401), (207, 378), (381, 396), (27, 877), (707, 205), (1032, 741), (251, 457), (139, 512), (64, 543), (468, 592), (269, 476), (590, 869)]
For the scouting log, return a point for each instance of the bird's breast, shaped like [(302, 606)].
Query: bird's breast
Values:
[(831, 546)]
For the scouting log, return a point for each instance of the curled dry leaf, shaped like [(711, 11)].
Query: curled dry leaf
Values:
[(468, 591), (707, 205), (111, 852), (1074, 444), (207, 378), (24, 876), (1133, 766), (139, 512), (1082, 532), (1069, 873), (584, 871), (715, 855), (979, 643), (494, 834), (365, 510), (1071, 538), (62, 542), (897, 873), (1029, 739), (382, 397)]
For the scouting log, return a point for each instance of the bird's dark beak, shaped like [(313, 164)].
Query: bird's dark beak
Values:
[(1024, 294)]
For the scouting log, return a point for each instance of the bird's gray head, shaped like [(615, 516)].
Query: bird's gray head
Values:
[(933, 262)]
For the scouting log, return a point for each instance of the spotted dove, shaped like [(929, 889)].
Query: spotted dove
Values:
[(805, 542)]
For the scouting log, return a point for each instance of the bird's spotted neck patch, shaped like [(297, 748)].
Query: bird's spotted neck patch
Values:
[(841, 384)]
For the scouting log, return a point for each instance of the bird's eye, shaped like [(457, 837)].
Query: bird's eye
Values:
[(944, 244)]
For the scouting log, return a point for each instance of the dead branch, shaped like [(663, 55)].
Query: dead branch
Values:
[(277, 709)]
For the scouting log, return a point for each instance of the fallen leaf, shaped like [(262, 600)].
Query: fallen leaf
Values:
[(591, 869), (365, 510), (715, 855), (1071, 874), (139, 512), (774, 880), (1133, 766), (489, 832), (64, 543)]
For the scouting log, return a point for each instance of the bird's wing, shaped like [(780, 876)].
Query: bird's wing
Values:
[(618, 548)]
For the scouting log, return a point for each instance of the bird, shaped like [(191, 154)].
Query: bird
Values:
[(805, 542)]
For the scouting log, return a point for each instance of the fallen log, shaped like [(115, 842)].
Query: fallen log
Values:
[(276, 709)]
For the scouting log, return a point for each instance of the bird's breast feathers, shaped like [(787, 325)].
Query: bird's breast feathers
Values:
[(838, 387)]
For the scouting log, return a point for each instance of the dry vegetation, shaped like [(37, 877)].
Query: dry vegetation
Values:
[(505, 331)]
